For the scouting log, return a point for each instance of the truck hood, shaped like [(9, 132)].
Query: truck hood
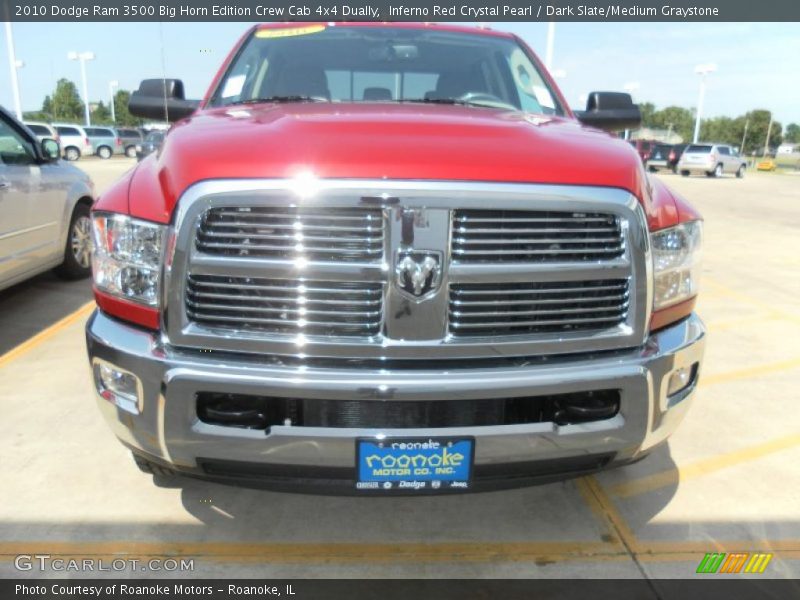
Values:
[(377, 141)]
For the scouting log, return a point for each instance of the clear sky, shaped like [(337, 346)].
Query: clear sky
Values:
[(757, 62)]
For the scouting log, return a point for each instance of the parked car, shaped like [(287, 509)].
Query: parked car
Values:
[(665, 156), (787, 156), (44, 212), (288, 299), (105, 141), (74, 141), (766, 164), (130, 139), (42, 131), (643, 147), (712, 159), (150, 144)]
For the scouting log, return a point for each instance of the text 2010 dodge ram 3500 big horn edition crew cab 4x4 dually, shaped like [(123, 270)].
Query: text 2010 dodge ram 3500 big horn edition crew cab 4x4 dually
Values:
[(389, 258)]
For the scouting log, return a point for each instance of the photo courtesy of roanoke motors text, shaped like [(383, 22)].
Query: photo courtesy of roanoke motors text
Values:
[(325, 300)]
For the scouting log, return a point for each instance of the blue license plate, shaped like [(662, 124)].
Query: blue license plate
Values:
[(414, 464)]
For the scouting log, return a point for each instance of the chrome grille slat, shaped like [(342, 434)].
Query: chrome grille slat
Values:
[(313, 233), (492, 236), (532, 308), (285, 306)]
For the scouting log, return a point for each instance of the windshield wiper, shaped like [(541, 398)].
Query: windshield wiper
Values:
[(278, 99), (437, 101)]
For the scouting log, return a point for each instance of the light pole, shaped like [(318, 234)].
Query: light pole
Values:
[(111, 86), (13, 65), (551, 38), (83, 57), (703, 71), (769, 130)]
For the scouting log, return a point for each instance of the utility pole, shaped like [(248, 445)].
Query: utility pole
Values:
[(82, 57), (769, 130), (744, 137), (13, 66)]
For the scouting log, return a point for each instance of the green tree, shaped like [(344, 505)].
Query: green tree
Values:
[(65, 103), (678, 119), (647, 109), (124, 118), (101, 115), (792, 133), (758, 123)]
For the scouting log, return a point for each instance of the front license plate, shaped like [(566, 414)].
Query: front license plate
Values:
[(414, 464)]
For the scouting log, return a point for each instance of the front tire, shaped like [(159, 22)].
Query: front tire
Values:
[(684, 173), (78, 252), (72, 154), (740, 172), (104, 152), (145, 466)]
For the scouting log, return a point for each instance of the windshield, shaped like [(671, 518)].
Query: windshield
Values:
[(384, 64), (155, 137)]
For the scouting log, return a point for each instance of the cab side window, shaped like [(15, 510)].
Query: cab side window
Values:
[(14, 148), (723, 150)]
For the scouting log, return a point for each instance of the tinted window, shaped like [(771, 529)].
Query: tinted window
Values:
[(14, 148), (156, 137), (356, 64), (98, 132), (39, 129), (698, 149), (67, 131), (130, 133), (723, 149), (662, 148)]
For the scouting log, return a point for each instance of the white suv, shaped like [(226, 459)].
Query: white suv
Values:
[(712, 159), (74, 141)]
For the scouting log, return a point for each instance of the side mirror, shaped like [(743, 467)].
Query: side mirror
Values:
[(162, 100), (51, 151), (612, 111)]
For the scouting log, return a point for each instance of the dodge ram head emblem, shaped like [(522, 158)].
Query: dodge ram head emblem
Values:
[(418, 272)]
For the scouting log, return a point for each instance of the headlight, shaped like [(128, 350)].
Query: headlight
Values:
[(127, 257), (676, 263)]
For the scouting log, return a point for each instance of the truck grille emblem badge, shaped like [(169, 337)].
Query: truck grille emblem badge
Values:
[(418, 272)]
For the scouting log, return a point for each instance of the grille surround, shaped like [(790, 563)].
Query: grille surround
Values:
[(430, 201)]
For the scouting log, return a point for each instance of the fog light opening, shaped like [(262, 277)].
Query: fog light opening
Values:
[(118, 386), (681, 379)]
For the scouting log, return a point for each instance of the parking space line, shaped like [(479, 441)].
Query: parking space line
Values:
[(669, 477), (603, 507), (747, 372), (745, 298), (46, 334), (311, 552)]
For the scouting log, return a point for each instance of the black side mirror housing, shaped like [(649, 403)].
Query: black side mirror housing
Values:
[(162, 100), (611, 111), (50, 150)]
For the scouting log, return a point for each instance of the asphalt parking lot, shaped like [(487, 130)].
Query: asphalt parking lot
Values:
[(728, 480)]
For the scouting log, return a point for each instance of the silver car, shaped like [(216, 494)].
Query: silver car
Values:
[(44, 208), (74, 141), (105, 141), (712, 159)]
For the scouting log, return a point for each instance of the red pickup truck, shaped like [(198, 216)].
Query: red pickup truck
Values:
[(388, 258)]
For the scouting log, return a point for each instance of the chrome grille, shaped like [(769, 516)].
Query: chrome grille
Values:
[(535, 236), (321, 234), (285, 306), (529, 308)]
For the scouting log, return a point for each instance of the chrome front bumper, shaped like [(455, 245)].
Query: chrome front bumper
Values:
[(168, 431)]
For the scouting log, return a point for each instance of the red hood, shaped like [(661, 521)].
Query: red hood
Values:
[(374, 141)]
